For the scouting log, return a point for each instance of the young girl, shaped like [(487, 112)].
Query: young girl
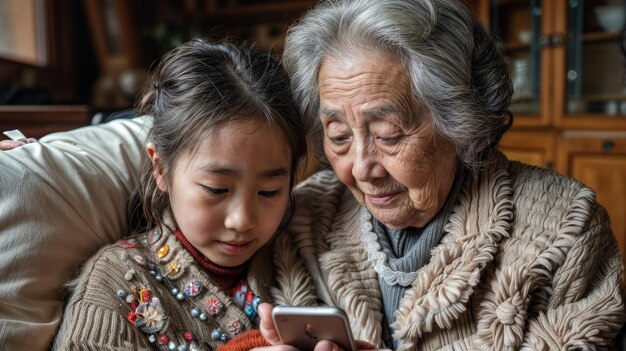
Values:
[(225, 144)]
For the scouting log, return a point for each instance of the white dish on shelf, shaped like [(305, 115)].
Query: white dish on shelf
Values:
[(610, 17), (524, 36)]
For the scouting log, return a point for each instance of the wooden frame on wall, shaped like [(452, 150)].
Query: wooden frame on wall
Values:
[(114, 35), (117, 46), (24, 32)]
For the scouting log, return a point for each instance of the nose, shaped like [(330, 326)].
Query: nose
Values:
[(241, 215), (366, 166)]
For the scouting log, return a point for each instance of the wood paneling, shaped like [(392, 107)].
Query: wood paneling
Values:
[(531, 147), (37, 121)]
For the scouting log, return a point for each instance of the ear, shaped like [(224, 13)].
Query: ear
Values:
[(157, 168)]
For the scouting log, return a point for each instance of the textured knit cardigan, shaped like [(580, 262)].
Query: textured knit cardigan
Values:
[(97, 317), (527, 261)]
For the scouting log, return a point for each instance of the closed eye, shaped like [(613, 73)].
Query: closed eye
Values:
[(338, 140), (214, 191), (389, 141), (272, 193)]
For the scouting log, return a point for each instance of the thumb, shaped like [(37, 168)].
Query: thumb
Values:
[(326, 345), (268, 330)]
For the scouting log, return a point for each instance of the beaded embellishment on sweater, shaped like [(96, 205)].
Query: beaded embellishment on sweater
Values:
[(146, 313), (168, 265)]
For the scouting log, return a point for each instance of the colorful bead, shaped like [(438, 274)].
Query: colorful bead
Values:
[(195, 312), (163, 250), (234, 329), (130, 274), (192, 288), (180, 297), (130, 298), (132, 317), (171, 345), (216, 334), (224, 338), (158, 278), (182, 348), (188, 336), (194, 346), (203, 316), (121, 294), (151, 266), (134, 304), (174, 291), (214, 306), (152, 339), (164, 339)]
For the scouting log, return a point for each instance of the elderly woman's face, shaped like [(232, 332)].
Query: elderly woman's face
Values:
[(381, 144)]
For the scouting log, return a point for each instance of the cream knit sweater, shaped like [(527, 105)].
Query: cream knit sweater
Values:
[(528, 261)]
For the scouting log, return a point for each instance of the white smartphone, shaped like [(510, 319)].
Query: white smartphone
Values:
[(303, 327)]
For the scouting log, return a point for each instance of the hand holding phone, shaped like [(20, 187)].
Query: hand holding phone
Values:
[(303, 327)]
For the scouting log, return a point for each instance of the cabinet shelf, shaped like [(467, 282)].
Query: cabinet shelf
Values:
[(591, 37), (602, 97)]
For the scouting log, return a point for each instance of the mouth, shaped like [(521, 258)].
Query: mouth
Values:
[(382, 199), (235, 247)]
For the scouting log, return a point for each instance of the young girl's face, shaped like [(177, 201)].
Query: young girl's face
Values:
[(229, 197)]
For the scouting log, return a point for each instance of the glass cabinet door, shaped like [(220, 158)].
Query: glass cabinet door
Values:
[(517, 23), (595, 75)]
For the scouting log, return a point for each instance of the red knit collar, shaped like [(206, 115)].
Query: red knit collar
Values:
[(226, 277)]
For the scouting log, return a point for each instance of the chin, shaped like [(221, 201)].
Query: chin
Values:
[(391, 222), (398, 223)]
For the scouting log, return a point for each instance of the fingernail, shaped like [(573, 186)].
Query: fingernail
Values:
[(326, 345)]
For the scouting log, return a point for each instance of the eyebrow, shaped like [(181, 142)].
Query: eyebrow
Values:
[(379, 111), (326, 112), (225, 171)]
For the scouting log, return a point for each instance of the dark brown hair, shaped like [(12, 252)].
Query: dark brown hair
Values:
[(199, 85)]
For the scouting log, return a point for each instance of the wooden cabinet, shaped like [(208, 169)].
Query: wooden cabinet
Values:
[(568, 60), (531, 147), (567, 65), (598, 159)]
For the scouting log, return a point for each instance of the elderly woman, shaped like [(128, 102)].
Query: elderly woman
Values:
[(422, 232)]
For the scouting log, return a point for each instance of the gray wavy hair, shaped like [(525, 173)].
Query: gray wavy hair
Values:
[(457, 68)]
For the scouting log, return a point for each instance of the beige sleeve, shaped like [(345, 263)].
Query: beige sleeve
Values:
[(585, 309), (60, 200)]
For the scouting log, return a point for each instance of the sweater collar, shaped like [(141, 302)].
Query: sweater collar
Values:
[(225, 277)]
